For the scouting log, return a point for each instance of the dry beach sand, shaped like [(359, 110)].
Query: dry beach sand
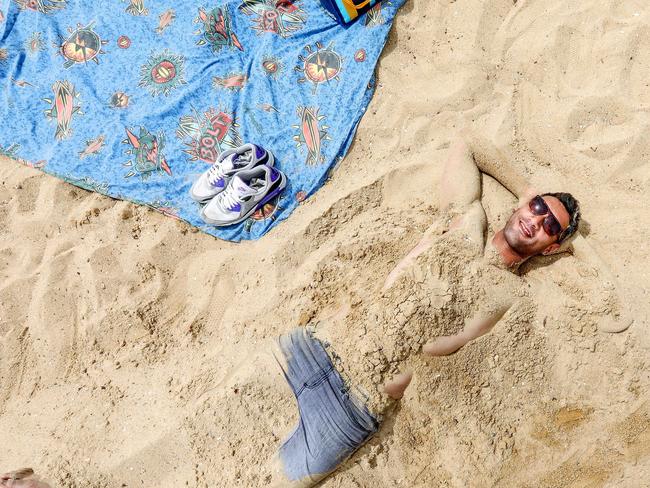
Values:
[(121, 330)]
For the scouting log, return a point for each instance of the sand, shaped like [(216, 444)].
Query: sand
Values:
[(123, 332)]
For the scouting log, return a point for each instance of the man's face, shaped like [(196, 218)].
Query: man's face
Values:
[(525, 233)]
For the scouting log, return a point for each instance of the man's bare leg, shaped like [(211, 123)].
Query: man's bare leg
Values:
[(479, 325)]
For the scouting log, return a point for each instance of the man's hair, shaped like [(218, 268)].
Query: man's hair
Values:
[(572, 207)]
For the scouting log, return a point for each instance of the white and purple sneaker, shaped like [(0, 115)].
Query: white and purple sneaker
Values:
[(216, 179), (247, 191)]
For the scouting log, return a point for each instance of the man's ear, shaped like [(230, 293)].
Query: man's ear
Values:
[(552, 249)]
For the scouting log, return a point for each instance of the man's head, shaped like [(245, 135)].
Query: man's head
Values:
[(542, 224)]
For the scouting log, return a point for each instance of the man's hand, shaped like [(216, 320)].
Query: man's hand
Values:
[(492, 161), (588, 253), (528, 194), (396, 386)]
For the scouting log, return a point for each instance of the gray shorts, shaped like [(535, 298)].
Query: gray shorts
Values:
[(333, 423)]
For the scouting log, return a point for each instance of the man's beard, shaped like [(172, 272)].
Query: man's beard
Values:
[(512, 235)]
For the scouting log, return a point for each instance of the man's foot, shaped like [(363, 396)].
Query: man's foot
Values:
[(21, 478)]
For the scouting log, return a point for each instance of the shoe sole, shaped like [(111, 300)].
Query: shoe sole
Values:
[(269, 196), (203, 201)]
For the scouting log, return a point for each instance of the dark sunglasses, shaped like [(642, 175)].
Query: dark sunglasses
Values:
[(551, 225)]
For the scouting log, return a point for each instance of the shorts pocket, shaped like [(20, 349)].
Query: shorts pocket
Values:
[(318, 378)]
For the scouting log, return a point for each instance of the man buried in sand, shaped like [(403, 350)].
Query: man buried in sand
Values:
[(346, 372)]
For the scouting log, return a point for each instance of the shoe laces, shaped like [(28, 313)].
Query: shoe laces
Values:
[(228, 198), (217, 171)]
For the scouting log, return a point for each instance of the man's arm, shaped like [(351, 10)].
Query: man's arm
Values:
[(490, 160), (588, 253), (459, 192), (460, 184), (479, 325)]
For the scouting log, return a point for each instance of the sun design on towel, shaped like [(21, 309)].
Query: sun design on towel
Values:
[(81, 46), (62, 108), (147, 151), (207, 135), (269, 211), (282, 17), (34, 44), (163, 73), (272, 66), (217, 30), (42, 6), (119, 100), (312, 134), (319, 66)]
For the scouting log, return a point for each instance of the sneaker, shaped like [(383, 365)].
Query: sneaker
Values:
[(216, 179), (247, 191)]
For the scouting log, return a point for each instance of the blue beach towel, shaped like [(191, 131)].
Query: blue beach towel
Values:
[(135, 98)]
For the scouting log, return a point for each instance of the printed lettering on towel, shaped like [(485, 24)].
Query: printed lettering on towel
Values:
[(207, 135)]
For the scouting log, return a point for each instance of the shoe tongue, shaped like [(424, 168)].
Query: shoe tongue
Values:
[(229, 162), (241, 187), (235, 161)]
